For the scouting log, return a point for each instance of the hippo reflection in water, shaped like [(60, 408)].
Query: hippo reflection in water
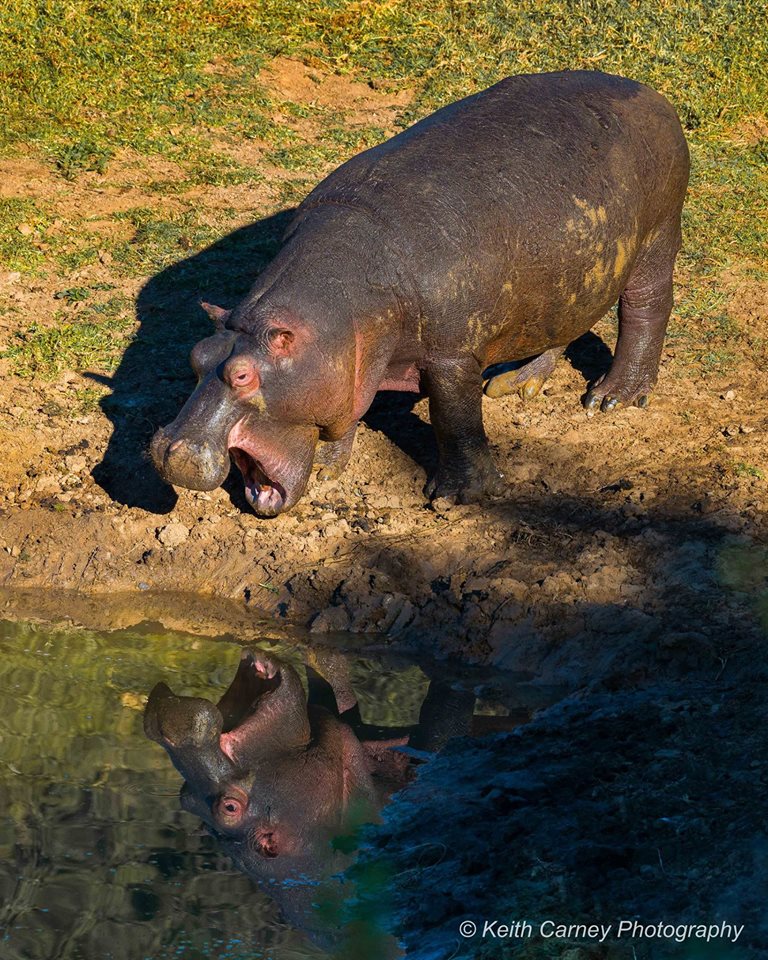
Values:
[(280, 778)]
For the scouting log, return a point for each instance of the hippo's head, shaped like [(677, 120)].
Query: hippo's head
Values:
[(265, 394), (273, 780)]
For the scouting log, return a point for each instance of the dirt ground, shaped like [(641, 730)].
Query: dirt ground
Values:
[(617, 523), (628, 553)]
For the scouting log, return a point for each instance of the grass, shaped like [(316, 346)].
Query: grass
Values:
[(94, 338), (67, 345), (80, 82), (159, 241), (748, 470), (84, 78), (20, 251)]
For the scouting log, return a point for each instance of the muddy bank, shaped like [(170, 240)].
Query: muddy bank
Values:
[(601, 542)]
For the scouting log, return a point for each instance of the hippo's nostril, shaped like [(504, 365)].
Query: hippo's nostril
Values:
[(192, 463)]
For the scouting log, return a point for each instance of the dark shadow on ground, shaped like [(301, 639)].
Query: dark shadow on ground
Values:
[(590, 355), (154, 377), (392, 414)]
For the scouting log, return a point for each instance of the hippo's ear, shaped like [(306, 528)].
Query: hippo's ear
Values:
[(218, 314), (287, 338)]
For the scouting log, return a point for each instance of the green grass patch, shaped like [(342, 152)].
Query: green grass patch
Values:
[(78, 345), (88, 400), (747, 470), (293, 191), (158, 242), (80, 255), (73, 294), (338, 144), (21, 226), (77, 156), (727, 206), (303, 156), (219, 171), (95, 339)]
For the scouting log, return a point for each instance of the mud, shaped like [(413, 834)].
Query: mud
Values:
[(612, 527), (628, 514)]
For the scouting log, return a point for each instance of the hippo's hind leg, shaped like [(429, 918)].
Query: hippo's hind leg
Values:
[(333, 455), (528, 379), (466, 472), (644, 309)]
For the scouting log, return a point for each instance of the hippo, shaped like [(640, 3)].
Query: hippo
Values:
[(495, 231), (274, 779), (283, 778)]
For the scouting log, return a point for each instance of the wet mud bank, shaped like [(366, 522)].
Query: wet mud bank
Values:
[(622, 580)]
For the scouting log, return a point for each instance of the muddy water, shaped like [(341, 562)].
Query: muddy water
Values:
[(97, 860)]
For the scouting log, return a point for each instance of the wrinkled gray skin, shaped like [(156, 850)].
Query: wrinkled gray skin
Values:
[(499, 229)]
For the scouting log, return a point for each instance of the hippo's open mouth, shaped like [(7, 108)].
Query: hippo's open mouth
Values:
[(264, 494), (257, 677), (262, 491)]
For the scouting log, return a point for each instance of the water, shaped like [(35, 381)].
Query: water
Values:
[(97, 859)]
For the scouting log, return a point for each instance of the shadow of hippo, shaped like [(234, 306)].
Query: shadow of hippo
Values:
[(154, 375)]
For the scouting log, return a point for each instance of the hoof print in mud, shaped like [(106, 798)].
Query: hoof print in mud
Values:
[(357, 301)]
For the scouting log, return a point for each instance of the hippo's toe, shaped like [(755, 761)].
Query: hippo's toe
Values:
[(609, 393)]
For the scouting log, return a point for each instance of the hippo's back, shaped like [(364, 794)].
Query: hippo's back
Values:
[(533, 185), (522, 144)]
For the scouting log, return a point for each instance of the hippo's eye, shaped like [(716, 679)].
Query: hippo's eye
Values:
[(229, 809), (241, 373)]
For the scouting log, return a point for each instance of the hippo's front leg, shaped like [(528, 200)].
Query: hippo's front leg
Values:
[(333, 455), (466, 472)]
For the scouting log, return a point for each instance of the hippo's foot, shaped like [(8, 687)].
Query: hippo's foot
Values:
[(331, 456), (613, 390), (526, 380), (476, 482)]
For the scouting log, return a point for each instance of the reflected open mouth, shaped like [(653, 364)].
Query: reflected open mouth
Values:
[(258, 676), (264, 494)]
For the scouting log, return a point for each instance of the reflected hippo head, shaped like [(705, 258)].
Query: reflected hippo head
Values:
[(275, 780), (262, 400)]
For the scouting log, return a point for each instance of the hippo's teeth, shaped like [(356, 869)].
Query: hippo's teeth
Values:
[(265, 668), (264, 499)]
